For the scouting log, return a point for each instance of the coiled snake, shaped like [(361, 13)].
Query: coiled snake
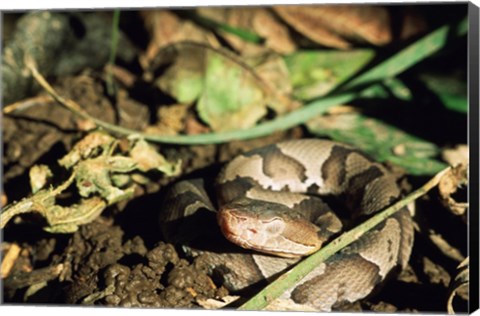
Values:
[(272, 205)]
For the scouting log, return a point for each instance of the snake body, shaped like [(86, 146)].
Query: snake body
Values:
[(272, 210)]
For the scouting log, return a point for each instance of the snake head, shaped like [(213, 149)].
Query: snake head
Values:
[(268, 227)]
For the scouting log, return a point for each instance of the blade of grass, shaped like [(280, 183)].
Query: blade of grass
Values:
[(293, 276), (244, 34), (409, 56)]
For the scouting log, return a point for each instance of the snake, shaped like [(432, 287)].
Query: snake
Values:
[(270, 207)]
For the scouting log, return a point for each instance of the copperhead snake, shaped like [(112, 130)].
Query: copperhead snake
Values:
[(274, 207)]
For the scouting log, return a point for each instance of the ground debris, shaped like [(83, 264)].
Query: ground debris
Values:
[(435, 272), (50, 39), (452, 182), (105, 271), (459, 285)]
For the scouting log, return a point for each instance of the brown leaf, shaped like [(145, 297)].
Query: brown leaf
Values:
[(9, 260), (412, 23), (167, 28), (22, 279), (3, 200), (460, 285), (275, 33), (457, 155), (449, 184), (273, 70), (435, 272), (444, 246), (193, 126), (210, 303), (174, 119), (122, 75), (337, 25), (171, 120), (257, 20)]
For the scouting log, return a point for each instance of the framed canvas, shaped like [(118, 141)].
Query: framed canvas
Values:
[(300, 157)]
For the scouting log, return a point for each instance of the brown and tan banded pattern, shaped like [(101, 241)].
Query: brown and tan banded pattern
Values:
[(270, 203)]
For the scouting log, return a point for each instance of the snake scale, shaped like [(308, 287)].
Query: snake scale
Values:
[(274, 207)]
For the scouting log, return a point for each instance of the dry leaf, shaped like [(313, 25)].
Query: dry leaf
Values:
[(457, 155), (167, 28), (435, 272), (338, 25), (413, 23), (275, 33), (171, 120), (4, 200), (122, 75), (9, 260), (445, 247), (211, 303), (453, 180), (459, 285), (274, 73), (39, 176), (256, 20), (147, 158), (193, 126)]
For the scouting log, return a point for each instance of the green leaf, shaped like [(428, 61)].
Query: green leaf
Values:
[(315, 73), (147, 158), (382, 141), (183, 81), (230, 99), (229, 94), (453, 102), (450, 89), (398, 89)]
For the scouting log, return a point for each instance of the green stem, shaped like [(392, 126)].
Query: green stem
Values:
[(284, 122)]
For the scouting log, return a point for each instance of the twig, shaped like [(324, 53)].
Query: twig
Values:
[(69, 104), (293, 276), (26, 103), (23, 279), (9, 260), (36, 202)]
